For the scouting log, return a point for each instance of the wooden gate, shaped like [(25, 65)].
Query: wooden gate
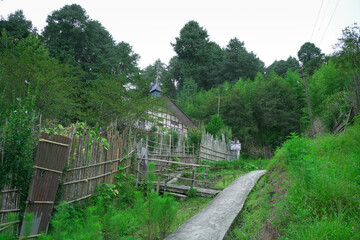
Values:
[(51, 155)]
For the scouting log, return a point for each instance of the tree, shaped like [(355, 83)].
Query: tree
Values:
[(16, 25), (237, 110), (157, 72), (188, 92), (126, 62), (348, 59), (192, 41), (311, 57), (27, 62), (197, 57), (72, 37), (277, 111), (239, 63), (282, 67), (215, 125), (65, 35), (328, 94)]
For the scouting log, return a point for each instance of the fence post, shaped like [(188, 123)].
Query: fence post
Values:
[(159, 178), (166, 176), (193, 177), (138, 163), (206, 173)]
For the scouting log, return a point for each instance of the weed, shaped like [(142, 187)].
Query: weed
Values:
[(191, 192), (8, 231)]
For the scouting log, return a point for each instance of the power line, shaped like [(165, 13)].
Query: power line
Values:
[(329, 21), (317, 18)]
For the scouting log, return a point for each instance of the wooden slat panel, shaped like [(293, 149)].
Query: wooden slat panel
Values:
[(45, 183)]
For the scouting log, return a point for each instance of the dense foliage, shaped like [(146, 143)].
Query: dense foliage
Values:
[(18, 140)]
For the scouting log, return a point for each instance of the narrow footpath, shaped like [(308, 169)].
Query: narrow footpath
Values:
[(213, 222)]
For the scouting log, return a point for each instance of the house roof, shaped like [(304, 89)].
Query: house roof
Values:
[(173, 107), (179, 113)]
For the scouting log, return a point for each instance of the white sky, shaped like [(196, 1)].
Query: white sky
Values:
[(272, 29)]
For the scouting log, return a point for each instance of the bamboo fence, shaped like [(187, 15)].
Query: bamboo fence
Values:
[(92, 163), (9, 204)]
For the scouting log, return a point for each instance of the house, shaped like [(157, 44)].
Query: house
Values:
[(170, 115)]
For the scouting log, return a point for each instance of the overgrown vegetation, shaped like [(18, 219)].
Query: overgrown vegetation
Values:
[(118, 211), (18, 138), (310, 192)]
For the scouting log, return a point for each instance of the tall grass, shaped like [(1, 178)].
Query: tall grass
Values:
[(324, 198), (311, 191)]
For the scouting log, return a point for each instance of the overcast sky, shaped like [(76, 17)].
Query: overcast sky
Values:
[(272, 29)]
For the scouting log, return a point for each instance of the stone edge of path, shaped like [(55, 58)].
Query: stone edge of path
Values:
[(214, 221)]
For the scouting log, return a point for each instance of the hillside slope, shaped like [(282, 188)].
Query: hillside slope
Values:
[(311, 191)]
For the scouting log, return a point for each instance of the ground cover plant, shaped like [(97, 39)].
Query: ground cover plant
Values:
[(310, 192), (117, 211), (223, 173)]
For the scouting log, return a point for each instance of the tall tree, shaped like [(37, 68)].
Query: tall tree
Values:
[(65, 34), (16, 25), (239, 63), (25, 64), (310, 57), (197, 56), (282, 67), (73, 37), (348, 59)]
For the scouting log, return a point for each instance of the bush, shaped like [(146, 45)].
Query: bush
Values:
[(194, 137), (19, 139)]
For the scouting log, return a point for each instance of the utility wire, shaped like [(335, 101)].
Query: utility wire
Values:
[(329, 21), (317, 18)]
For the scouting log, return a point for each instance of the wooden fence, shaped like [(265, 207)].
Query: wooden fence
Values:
[(214, 149), (9, 204), (91, 160)]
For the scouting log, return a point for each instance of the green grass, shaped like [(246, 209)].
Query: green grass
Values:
[(189, 208), (311, 191)]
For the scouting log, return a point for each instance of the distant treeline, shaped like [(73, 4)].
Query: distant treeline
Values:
[(77, 71)]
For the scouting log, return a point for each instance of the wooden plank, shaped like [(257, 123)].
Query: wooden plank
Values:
[(182, 189), (178, 163), (45, 183), (176, 194)]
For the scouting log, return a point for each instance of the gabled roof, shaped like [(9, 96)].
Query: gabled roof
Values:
[(156, 87), (179, 113), (172, 106)]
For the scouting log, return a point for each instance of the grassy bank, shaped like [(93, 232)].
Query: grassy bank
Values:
[(124, 211), (311, 191)]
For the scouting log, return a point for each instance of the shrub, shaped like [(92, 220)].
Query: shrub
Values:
[(19, 139)]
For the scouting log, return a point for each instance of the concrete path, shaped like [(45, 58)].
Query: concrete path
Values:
[(213, 222)]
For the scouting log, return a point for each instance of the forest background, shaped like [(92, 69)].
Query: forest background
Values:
[(74, 70)]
